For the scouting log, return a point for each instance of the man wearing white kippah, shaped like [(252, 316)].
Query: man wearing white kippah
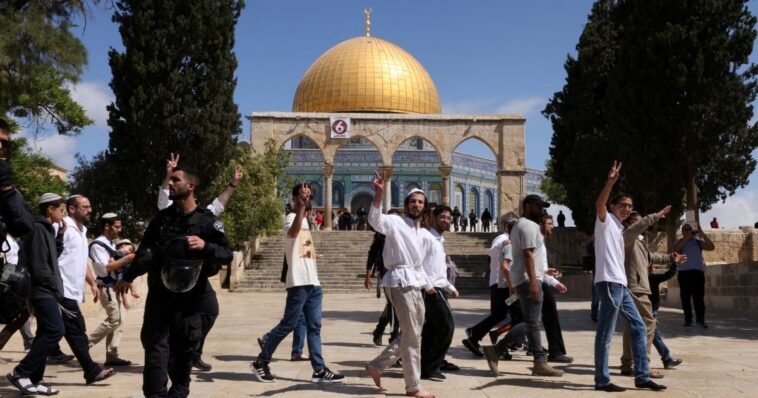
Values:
[(107, 264), (406, 244)]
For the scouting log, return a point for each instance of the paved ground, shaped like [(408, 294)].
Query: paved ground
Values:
[(719, 362)]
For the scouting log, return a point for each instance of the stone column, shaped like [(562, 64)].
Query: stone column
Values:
[(387, 200), (445, 173), (510, 190), (328, 172)]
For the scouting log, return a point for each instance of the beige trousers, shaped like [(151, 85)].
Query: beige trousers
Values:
[(409, 307), (645, 307), (111, 329)]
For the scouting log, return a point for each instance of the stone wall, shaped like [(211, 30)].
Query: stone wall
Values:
[(731, 269)]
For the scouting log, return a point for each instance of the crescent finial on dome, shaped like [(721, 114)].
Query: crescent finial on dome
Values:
[(367, 11)]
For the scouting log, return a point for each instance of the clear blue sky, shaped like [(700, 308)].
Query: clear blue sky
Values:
[(484, 57)]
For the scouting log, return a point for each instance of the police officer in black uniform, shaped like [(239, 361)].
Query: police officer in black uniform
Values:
[(181, 248)]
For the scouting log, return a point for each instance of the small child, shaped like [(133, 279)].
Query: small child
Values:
[(124, 247)]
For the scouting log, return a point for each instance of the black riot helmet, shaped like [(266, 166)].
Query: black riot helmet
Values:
[(181, 266)]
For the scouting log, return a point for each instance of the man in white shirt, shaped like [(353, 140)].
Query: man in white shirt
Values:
[(304, 295), (437, 333), (610, 283), (107, 266), (72, 263), (405, 247), (498, 294)]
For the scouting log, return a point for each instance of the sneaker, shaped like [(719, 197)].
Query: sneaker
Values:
[(493, 337), (492, 358), (59, 359), (560, 358), (468, 333), (610, 387), (543, 369), (261, 372), (672, 363), (327, 376), (473, 346), (651, 385)]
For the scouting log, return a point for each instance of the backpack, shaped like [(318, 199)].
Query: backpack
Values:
[(110, 280)]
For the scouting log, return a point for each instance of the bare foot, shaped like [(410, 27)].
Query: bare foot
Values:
[(420, 394), (376, 376)]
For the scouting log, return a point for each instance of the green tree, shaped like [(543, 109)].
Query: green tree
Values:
[(32, 173), (39, 59), (174, 87), (665, 87), (254, 209)]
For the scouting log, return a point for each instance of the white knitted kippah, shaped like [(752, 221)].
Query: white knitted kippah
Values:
[(49, 197)]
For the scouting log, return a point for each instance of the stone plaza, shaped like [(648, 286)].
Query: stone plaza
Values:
[(720, 361)]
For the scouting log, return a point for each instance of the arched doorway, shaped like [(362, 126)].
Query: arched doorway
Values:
[(361, 200)]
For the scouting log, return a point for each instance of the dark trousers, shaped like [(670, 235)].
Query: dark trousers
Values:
[(208, 313), (171, 329), (437, 333), (498, 312), (388, 317), (76, 337), (50, 330), (551, 323), (692, 287)]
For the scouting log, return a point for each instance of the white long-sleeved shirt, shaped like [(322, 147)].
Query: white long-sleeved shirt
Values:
[(163, 202), (549, 279), (73, 261), (405, 247), (495, 253), (435, 264)]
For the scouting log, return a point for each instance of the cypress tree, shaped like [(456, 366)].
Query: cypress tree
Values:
[(174, 85)]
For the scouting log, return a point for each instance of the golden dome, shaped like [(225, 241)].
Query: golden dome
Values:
[(366, 74)]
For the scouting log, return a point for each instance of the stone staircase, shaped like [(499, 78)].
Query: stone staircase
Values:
[(342, 265)]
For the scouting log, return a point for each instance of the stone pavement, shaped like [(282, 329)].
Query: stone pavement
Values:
[(719, 362)]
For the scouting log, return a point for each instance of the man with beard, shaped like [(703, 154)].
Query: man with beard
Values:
[(107, 266), (74, 273), (405, 247), (437, 333), (182, 247)]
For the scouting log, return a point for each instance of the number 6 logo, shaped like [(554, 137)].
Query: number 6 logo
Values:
[(339, 126)]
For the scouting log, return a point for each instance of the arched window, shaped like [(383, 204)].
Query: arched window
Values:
[(473, 202), (459, 199), (317, 199), (338, 194), (395, 195), (435, 193), (489, 201)]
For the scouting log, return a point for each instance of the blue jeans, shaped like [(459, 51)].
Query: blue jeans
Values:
[(595, 303), (660, 346), (532, 311), (298, 337), (615, 298), (301, 300)]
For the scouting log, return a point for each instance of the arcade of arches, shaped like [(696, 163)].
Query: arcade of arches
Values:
[(385, 135)]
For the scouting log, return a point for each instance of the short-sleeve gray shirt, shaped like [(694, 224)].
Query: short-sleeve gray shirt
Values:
[(526, 235)]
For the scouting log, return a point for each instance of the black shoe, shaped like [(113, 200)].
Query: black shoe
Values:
[(117, 362), (610, 388), (702, 325), (433, 376), (449, 366), (651, 385), (59, 359), (473, 347), (398, 363), (468, 333), (493, 337), (688, 324), (199, 364), (377, 338), (327, 376), (672, 363), (261, 372), (560, 358)]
